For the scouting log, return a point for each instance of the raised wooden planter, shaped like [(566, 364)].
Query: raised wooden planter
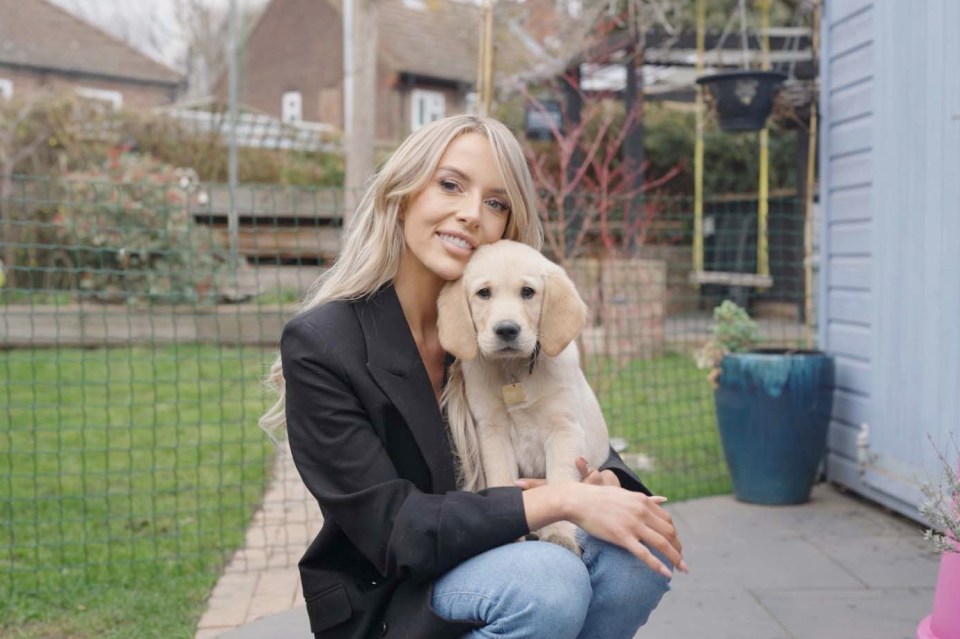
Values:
[(97, 325), (276, 222), (627, 303)]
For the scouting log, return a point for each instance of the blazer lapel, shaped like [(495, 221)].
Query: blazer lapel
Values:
[(395, 364)]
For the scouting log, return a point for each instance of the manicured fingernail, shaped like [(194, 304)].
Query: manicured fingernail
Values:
[(666, 572), (520, 483), (683, 566), (659, 499)]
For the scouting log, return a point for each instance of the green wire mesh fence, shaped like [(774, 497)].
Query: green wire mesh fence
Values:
[(134, 349)]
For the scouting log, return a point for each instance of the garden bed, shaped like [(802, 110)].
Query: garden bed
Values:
[(92, 324)]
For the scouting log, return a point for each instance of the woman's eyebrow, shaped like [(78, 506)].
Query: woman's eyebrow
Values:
[(458, 172), (463, 176)]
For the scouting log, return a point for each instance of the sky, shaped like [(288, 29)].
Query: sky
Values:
[(142, 22)]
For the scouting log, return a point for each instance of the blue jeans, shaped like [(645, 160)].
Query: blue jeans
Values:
[(534, 590)]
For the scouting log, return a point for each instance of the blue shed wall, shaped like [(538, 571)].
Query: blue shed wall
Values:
[(890, 276)]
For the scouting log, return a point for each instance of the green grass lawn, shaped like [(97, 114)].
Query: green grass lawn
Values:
[(663, 408), (126, 478), (128, 475)]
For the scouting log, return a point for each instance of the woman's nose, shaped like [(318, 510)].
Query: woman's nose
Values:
[(470, 210)]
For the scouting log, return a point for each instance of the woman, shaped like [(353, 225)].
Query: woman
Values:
[(402, 552)]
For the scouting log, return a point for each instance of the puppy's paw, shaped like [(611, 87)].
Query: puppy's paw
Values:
[(562, 533)]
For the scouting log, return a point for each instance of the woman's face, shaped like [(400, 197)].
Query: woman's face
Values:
[(463, 206)]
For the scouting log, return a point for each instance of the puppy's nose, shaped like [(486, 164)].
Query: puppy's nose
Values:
[(507, 330)]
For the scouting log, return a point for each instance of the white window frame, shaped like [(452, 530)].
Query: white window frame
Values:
[(6, 88), (113, 98), (471, 103), (425, 107), (291, 107)]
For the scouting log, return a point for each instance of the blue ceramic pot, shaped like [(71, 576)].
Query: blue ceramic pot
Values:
[(773, 410)]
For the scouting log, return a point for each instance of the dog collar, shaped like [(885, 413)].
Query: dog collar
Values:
[(533, 356), (513, 391)]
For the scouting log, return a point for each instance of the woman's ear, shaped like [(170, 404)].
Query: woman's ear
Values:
[(458, 336), (563, 315)]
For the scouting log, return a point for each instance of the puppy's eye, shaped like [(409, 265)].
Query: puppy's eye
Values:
[(484, 293), (526, 292)]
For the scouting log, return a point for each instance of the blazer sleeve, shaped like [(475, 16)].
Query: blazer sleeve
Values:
[(628, 478), (401, 530)]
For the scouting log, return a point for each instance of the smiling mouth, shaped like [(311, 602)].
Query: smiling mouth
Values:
[(459, 242)]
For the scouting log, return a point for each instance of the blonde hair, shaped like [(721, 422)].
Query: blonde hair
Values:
[(373, 242)]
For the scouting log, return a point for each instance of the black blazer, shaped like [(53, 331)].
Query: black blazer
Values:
[(371, 445)]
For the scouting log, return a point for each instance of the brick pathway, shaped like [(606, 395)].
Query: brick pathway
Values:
[(262, 578)]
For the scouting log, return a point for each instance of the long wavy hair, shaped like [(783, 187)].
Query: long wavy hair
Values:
[(373, 243)]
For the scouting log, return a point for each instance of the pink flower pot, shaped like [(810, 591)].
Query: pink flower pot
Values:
[(944, 621)]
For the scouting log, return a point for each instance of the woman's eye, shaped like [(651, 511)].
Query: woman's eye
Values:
[(448, 185), (526, 292), (498, 205), (484, 293)]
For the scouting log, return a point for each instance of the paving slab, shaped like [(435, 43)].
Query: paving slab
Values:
[(291, 624), (830, 512), (838, 566), (883, 562), (725, 560), (688, 612), (884, 613)]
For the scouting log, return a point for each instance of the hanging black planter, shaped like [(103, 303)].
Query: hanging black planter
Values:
[(743, 99)]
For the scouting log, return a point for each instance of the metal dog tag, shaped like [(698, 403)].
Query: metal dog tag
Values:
[(514, 393)]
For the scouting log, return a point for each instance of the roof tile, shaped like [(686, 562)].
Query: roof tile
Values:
[(37, 33)]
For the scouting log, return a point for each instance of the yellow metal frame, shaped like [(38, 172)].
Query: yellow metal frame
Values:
[(808, 205), (762, 278), (698, 151)]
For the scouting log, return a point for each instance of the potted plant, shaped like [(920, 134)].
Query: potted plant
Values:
[(773, 408), (942, 510)]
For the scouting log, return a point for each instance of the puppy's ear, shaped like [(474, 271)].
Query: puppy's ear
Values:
[(458, 336), (564, 314)]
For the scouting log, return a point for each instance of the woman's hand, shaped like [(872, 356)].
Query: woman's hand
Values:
[(603, 509), (634, 521), (590, 475)]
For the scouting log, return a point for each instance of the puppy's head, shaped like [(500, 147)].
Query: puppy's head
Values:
[(509, 298)]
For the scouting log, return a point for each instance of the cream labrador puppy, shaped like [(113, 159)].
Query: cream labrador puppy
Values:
[(511, 320)]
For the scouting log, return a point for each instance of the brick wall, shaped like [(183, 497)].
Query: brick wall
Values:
[(282, 56), (28, 84)]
